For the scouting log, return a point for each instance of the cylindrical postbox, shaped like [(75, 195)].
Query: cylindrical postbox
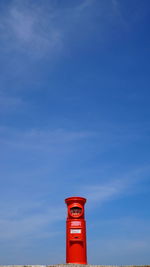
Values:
[(75, 231)]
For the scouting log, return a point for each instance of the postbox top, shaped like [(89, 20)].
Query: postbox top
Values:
[(75, 199)]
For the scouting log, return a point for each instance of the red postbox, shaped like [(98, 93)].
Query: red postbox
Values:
[(76, 231)]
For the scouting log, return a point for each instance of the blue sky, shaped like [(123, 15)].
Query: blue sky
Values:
[(74, 120)]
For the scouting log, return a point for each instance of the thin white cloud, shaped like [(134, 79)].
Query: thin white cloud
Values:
[(114, 188), (41, 139), (103, 193), (129, 234), (44, 28), (27, 28), (100, 193), (39, 28), (20, 224), (28, 217), (46, 151)]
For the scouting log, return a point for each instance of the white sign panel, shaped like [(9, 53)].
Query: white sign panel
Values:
[(75, 231)]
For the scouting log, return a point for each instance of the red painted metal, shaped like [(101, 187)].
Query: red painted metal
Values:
[(76, 231)]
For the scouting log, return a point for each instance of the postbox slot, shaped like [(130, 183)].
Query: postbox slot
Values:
[(72, 242)]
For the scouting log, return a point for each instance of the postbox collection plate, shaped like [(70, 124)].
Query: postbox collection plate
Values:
[(75, 231)]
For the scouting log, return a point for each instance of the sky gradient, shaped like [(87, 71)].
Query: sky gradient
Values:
[(74, 121)]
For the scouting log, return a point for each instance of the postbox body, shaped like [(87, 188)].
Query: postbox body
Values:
[(76, 231)]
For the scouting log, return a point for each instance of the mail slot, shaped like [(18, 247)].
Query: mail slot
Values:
[(75, 231)]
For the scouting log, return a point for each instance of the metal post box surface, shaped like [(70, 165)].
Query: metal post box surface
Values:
[(76, 231)]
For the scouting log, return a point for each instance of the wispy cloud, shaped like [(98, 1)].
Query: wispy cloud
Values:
[(21, 222), (129, 234), (105, 192), (39, 28), (44, 28), (115, 188), (26, 26), (41, 139), (29, 217)]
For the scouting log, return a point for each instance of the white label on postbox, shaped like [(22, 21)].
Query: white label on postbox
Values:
[(75, 231), (76, 223)]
